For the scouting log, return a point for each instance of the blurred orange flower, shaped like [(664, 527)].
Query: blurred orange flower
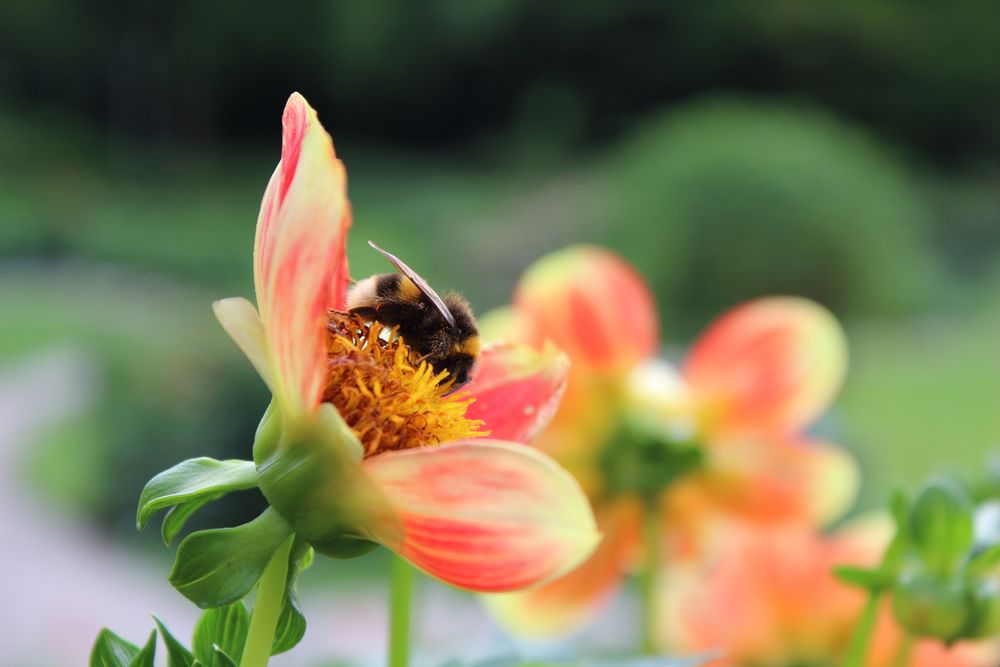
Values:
[(770, 599), (735, 413), (361, 443)]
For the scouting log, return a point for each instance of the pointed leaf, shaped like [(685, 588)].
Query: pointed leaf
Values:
[(147, 654), (193, 480), (862, 577), (110, 650), (222, 659), (214, 568), (224, 628), (178, 515), (177, 653), (983, 561)]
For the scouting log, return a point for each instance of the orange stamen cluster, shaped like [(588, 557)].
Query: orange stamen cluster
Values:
[(390, 399)]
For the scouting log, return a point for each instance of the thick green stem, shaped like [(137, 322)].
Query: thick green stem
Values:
[(652, 561), (267, 608), (399, 612), (858, 648), (904, 651)]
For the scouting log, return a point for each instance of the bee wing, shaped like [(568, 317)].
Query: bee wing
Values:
[(421, 284)]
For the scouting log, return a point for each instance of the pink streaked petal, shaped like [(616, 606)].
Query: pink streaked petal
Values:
[(771, 365), (486, 516), (240, 320), (570, 602), (779, 481), (300, 268), (593, 305), (517, 390)]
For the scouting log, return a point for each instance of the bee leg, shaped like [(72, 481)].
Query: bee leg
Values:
[(364, 312), (454, 389)]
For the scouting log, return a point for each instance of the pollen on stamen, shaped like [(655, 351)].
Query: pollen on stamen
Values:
[(389, 399)]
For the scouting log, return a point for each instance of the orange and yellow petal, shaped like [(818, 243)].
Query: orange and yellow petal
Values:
[(299, 264), (570, 602), (486, 516), (773, 481), (770, 365), (770, 598), (593, 305), (517, 390)]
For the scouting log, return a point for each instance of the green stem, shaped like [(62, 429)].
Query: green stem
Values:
[(652, 537), (399, 612), (904, 651), (858, 648), (267, 608)]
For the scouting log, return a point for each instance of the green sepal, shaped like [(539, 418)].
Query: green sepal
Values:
[(941, 527), (222, 659), (214, 568), (178, 515), (930, 606), (984, 619), (309, 469), (110, 650), (177, 653), (870, 579), (222, 628), (982, 561), (191, 484), (147, 654)]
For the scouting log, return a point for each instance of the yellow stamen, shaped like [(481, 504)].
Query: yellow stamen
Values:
[(388, 398)]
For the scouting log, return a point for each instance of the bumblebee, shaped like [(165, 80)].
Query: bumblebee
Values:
[(442, 331)]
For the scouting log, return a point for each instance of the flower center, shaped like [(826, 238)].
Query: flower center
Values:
[(389, 397)]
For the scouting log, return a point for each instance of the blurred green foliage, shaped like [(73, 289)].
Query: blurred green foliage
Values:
[(727, 200)]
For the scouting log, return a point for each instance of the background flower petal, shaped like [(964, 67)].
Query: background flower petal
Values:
[(487, 516), (593, 305), (777, 481), (240, 320), (568, 603), (517, 390), (773, 364), (299, 264)]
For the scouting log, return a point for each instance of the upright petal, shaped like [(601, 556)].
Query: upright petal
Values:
[(771, 365), (487, 516), (593, 305), (571, 601), (517, 390), (299, 264)]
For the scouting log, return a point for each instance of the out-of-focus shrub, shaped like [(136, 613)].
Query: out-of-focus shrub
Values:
[(727, 200)]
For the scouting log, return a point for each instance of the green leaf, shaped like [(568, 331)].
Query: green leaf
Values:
[(222, 659), (941, 526), (177, 654), (291, 621), (193, 480), (178, 515), (871, 579), (223, 628), (147, 654), (983, 561), (214, 568), (110, 650)]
